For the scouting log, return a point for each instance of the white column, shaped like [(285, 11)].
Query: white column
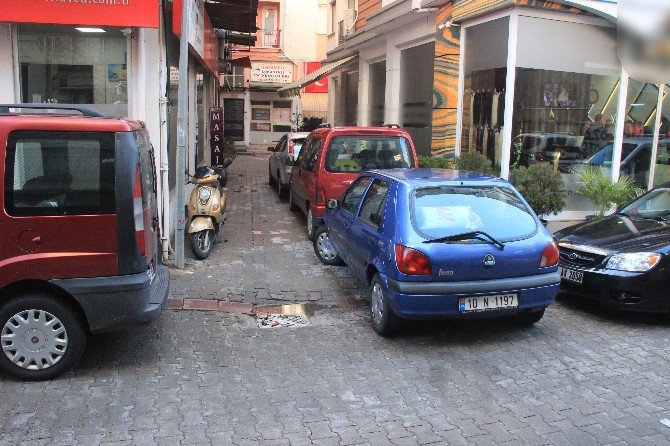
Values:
[(9, 93), (393, 95), (618, 127), (657, 129), (461, 93), (332, 97), (363, 118), (509, 94)]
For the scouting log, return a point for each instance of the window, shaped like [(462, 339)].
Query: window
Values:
[(270, 28), (373, 204), (65, 66), (357, 153), (59, 173), (322, 20), (235, 81), (147, 168), (333, 18), (449, 210), (354, 194), (313, 155)]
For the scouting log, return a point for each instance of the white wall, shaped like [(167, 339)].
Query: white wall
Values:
[(299, 30)]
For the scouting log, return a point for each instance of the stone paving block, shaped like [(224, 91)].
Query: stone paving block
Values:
[(235, 307), (200, 304)]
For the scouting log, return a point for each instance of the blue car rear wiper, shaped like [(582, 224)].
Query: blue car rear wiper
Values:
[(467, 236)]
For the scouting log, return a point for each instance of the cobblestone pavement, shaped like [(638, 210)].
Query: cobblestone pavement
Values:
[(581, 376)]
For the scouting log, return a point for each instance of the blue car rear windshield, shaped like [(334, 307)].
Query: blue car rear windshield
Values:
[(448, 210)]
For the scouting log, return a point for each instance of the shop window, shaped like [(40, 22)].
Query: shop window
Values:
[(260, 114), (61, 65)]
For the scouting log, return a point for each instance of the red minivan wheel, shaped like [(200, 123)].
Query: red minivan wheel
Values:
[(41, 337)]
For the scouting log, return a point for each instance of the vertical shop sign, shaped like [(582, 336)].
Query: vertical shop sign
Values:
[(216, 140)]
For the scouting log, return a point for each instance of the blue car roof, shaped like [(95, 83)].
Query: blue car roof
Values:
[(422, 177)]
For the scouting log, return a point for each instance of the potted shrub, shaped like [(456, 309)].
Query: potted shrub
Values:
[(541, 186), (475, 162), (436, 162), (605, 194)]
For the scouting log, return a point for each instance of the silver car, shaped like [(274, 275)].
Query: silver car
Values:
[(282, 159)]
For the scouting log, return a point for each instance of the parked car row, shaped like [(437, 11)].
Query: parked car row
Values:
[(443, 243), (428, 242)]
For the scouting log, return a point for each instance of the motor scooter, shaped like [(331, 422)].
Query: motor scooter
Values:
[(207, 207)]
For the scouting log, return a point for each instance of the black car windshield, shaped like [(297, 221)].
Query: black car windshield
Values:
[(652, 205), (365, 152), (447, 210)]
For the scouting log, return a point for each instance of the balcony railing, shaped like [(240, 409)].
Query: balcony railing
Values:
[(270, 38)]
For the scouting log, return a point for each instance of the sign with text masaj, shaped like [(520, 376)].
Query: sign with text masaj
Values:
[(140, 13), (216, 141)]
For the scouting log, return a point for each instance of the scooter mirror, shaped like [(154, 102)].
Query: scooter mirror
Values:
[(227, 161)]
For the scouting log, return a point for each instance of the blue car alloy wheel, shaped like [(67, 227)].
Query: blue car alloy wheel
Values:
[(324, 248)]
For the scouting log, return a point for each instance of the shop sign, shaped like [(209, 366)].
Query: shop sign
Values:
[(139, 13), (201, 38), (272, 72), (216, 141), (320, 86)]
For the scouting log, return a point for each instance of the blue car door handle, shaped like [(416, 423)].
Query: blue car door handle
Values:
[(371, 239)]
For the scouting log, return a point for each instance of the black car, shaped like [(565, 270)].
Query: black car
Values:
[(622, 260)]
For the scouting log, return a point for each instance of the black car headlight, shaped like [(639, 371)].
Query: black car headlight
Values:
[(635, 262)]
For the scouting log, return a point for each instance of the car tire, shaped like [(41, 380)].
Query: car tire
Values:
[(291, 204), (324, 249), (281, 189), (528, 318), (311, 224), (44, 321), (384, 321)]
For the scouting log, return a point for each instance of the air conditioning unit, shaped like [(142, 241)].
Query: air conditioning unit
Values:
[(349, 19)]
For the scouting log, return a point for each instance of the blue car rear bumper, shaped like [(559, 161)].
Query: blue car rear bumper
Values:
[(430, 299)]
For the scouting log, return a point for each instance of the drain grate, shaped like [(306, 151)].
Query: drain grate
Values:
[(273, 320)]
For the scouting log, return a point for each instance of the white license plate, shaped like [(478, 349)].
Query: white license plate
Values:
[(483, 303), (571, 275)]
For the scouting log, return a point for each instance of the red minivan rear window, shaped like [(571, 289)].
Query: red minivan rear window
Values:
[(365, 152)]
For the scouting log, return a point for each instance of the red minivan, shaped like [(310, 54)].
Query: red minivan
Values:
[(78, 234), (332, 157)]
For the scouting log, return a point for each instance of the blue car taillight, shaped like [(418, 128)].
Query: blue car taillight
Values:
[(412, 262), (549, 255)]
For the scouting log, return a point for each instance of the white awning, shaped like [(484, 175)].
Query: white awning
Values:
[(294, 88)]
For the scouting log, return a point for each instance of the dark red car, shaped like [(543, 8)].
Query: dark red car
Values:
[(332, 157), (78, 235)]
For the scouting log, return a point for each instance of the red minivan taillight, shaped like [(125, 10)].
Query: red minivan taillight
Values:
[(139, 212), (549, 255), (412, 262)]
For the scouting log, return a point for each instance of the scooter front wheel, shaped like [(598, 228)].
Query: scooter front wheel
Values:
[(201, 243)]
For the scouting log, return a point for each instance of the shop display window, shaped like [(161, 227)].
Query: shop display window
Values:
[(59, 64)]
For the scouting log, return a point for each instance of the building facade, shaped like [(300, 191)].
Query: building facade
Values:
[(518, 81), (122, 59), (290, 42)]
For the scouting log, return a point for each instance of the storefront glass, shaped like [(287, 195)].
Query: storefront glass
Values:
[(566, 91), (59, 64), (484, 96)]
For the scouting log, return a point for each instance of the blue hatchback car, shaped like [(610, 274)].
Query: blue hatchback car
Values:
[(436, 243)]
